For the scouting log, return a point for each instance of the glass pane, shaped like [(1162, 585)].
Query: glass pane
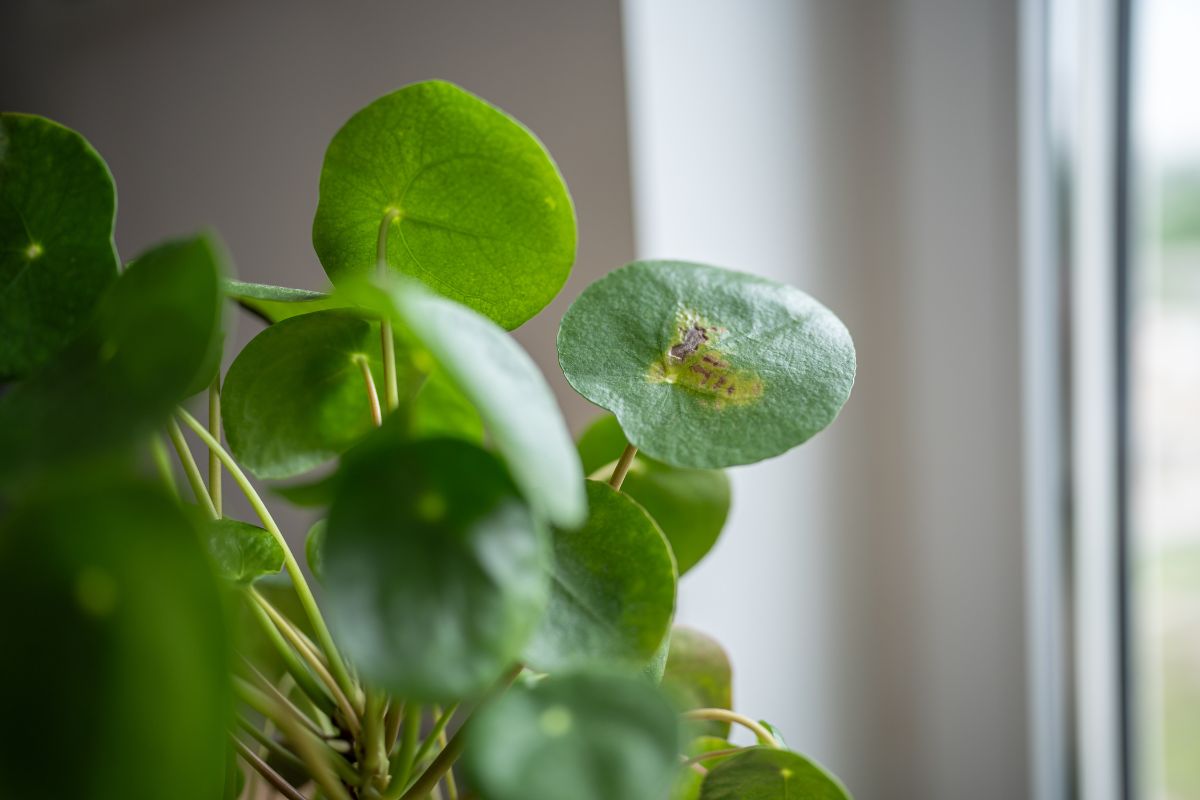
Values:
[(1165, 397)]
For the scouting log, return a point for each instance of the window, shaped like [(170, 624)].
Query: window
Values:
[(1164, 409)]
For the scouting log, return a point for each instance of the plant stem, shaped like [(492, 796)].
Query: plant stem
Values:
[(391, 724), (712, 754), (271, 744), (435, 735), (292, 663), (316, 755), (372, 395), (190, 469), (303, 592), (724, 715), (318, 667), (403, 763), (282, 699), (266, 705), (214, 427), (264, 769), (387, 338), (374, 756), (453, 749), (622, 468), (448, 779)]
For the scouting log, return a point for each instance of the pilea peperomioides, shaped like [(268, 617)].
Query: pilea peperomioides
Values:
[(488, 607)]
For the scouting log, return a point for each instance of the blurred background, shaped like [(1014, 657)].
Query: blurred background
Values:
[(906, 597)]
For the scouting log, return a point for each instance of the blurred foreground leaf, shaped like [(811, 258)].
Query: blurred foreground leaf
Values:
[(575, 737), (114, 681)]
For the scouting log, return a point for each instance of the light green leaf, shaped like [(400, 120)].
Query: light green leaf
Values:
[(296, 395), (698, 675), (690, 505), (491, 370), (242, 552), (57, 209), (706, 367), (434, 582), (575, 737), (150, 343), (115, 644), (612, 592), (762, 773), (274, 304), (478, 210)]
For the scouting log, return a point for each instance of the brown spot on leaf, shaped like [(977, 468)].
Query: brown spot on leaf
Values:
[(693, 337)]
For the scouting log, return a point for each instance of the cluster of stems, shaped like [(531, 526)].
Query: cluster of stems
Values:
[(319, 719)]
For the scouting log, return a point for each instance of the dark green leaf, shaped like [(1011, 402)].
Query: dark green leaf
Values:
[(242, 552), (434, 567), (479, 210), (690, 505), (274, 304), (699, 675), (575, 737), (115, 649), (150, 343), (491, 370), (296, 396), (314, 550), (761, 773), (613, 588), (57, 209), (706, 367)]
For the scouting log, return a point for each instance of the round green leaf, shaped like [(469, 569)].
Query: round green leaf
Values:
[(150, 343), (575, 737), (490, 369), (242, 552), (612, 592), (57, 210), (762, 773), (690, 505), (434, 567), (706, 367), (115, 646), (478, 210), (274, 304), (296, 397), (698, 674)]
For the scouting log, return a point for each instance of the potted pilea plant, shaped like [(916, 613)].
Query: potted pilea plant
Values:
[(487, 610)]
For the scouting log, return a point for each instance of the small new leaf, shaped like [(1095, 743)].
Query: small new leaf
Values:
[(242, 552)]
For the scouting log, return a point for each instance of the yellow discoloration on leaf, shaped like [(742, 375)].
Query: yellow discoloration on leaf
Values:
[(694, 360)]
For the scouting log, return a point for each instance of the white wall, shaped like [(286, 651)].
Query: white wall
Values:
[(870, 585)]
